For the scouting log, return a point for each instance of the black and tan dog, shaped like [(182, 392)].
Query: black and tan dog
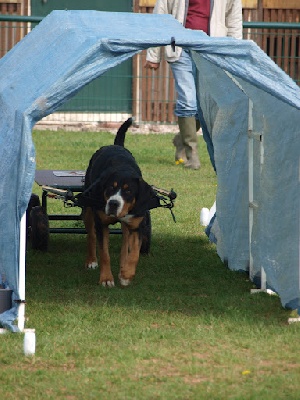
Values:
[(115, 192)]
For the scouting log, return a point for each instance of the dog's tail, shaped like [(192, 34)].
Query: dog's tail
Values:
[(120, 136)]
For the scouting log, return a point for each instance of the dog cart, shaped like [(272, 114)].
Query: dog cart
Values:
[(68, 186)]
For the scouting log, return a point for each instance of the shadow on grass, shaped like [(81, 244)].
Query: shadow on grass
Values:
[(180, 275)]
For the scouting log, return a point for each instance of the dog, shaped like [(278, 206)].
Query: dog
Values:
[(115, 191)]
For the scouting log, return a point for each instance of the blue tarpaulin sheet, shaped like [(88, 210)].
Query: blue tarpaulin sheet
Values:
[(69, 49)]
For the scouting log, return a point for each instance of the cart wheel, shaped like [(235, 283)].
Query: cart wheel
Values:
[(39, 229), (146, 234), (33, 202)]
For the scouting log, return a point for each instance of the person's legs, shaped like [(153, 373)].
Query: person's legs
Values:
[(186, 109)]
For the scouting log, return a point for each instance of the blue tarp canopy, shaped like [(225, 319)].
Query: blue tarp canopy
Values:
[(243, 98)]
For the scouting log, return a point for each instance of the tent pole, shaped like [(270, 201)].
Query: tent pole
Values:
[(297, 319), (250, 181), (252, 203), (21, 289)]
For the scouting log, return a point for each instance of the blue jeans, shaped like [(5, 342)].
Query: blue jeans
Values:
[(184, 75)]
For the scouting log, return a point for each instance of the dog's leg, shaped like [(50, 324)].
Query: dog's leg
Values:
[(130, 254), (124, 247), (88, 218), (106, 277)]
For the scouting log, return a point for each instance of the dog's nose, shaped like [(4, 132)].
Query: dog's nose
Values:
[(113, 204)]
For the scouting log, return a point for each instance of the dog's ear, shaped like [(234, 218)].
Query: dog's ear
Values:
[(145, 198)]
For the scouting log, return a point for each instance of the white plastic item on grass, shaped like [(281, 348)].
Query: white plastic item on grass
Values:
[(207, 214), (29, 342), (204, 216)]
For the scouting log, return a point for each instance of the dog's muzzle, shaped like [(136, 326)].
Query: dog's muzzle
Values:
[(112, 207)]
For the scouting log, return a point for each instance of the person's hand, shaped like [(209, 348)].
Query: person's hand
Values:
[(151, 65)]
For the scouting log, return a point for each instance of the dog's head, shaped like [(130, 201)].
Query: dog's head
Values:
[(124, 196)]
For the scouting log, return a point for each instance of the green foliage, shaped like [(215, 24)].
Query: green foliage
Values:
[(187, 328)]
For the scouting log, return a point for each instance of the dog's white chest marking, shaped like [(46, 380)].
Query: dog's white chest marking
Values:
[(127, 218)]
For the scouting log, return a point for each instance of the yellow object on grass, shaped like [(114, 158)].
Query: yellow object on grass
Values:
[(180, 161)]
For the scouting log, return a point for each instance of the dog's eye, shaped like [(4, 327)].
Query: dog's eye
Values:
[(128, 194), (109, 191)]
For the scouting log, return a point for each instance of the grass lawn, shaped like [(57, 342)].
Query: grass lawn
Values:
[(187, 328)]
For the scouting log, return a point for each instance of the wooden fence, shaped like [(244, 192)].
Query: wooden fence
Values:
[(10, 32)]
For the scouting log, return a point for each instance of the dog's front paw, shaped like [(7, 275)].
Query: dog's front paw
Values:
[(107, 283), (91, 265), (124, 281)]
